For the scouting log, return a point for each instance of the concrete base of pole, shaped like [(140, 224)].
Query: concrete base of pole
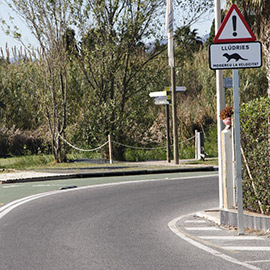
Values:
[(227, 168)]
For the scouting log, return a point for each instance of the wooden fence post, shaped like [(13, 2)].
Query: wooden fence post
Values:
[(110, 149)]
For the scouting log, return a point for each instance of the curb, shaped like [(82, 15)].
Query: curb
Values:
[(251, 220), (226, 217), (108, 174), (212, 215)]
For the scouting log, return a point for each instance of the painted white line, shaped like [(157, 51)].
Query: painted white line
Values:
[(10, 186), (202, 229), (47, 185), (231, 238), (261, 261), (9, 207), (195, 221), (242, 248), (173, 228)]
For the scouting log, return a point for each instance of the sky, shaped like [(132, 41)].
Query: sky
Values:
[(203, 28)]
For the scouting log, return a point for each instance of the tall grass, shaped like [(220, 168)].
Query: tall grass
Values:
[(26, 162)]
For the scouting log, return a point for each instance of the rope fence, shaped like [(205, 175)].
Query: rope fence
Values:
[(121, 144), (110, 142), (139, 148), (83, 150)]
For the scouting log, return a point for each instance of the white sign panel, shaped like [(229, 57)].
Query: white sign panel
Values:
[(235, 55), (177, 88), (158, 94), (161, 101)]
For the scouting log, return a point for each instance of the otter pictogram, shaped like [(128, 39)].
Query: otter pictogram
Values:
[(234, 56)]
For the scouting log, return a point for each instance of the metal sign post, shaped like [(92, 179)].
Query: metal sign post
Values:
[(234, 47), (167, 113), (220, 105), (237, 147)]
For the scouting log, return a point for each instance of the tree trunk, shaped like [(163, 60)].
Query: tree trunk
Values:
[(59, 152)]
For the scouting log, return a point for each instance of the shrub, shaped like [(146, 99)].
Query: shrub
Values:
[(256, 146), (17, 142)]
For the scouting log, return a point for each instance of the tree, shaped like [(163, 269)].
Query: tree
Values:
[(115, 61), (257, 13), (187, 42), (113, 53), (118, 63), (49, 21), (21, 107)]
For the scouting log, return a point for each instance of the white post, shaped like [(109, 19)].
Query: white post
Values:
[(196, 144), (227, 168), (220, 105), (199, 145), (110, 148), (237, 145)]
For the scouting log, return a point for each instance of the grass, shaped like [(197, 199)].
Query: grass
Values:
[(37, 162), (26, 162)]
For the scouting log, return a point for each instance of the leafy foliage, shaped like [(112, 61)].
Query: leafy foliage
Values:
[(255, 143)]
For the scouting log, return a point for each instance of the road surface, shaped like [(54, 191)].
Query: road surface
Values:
[(122, 226)]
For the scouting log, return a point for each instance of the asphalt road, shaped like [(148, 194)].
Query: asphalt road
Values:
[(123, 227)]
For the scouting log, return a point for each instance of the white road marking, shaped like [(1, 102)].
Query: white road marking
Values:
[(231, 238), (10, 186), (173, 227), (202, 229), (261, 261), (195, 221), (243, 248), (47, 185)]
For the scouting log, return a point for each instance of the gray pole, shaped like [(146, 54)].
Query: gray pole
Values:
[(237, 146), (220, 105), (174, 117), (167, 112)]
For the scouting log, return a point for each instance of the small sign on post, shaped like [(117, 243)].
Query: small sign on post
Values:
[(177, 88), (228, 82), (161, 97), (235, 55)]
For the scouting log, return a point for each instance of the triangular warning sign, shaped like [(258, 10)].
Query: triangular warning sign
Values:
[(234, 28)]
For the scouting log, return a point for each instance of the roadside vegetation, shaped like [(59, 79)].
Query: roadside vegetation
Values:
[(92, 74)]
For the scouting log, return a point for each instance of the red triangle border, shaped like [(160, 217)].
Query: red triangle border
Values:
[(216, 38)]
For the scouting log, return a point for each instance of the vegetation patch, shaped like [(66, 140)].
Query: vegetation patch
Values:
[(256, 154)]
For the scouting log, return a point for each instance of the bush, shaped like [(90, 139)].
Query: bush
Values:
[(17, 142), (256, 146)]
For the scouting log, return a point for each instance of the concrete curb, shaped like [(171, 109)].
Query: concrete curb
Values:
[(226, 217), (107, 174), (251, 220), (213, 215)]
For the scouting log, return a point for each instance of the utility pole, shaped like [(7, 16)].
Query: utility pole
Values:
[(167, 113), (169, 28), (174, 117), (220, 105)]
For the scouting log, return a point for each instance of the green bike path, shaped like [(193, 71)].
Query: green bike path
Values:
[(11, 192)]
